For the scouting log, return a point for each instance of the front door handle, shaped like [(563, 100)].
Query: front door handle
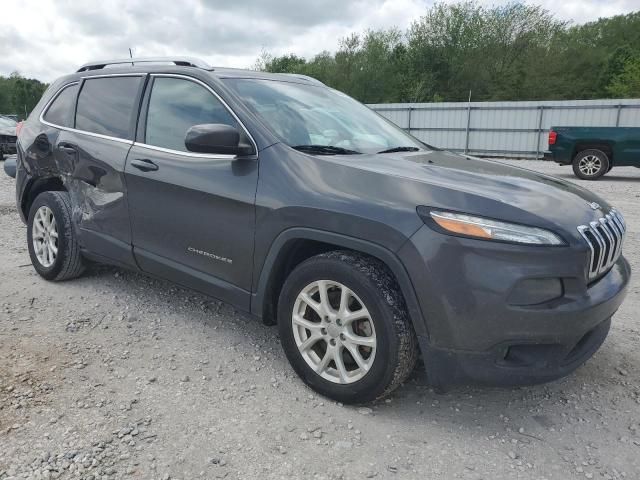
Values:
[(144, 164)]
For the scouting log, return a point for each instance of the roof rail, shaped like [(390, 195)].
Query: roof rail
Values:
[(180, 61), (305, 77)]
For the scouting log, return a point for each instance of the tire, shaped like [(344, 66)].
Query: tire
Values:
[(372, 294), (590, 164), (67, 262)]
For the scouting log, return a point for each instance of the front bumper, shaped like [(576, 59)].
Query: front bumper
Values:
[(475, 332), (512, 363)]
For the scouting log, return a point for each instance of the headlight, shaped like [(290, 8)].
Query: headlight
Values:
[(488, 229)]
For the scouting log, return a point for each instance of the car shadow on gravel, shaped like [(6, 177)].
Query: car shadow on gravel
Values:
[(414, 398)]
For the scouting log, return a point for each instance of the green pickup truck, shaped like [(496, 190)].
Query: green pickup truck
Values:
[(593, 151)]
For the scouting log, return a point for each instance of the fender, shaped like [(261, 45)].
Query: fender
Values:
[(341, 241)]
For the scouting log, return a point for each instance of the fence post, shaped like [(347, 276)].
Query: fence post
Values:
[(466, 145), (618, 115), (541, 107)]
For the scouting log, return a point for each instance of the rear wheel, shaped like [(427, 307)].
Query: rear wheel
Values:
[(590, 164), (53, 246), (344, 327)]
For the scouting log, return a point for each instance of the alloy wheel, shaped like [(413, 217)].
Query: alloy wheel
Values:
[(334, 332), (590, 165), (45, 236)]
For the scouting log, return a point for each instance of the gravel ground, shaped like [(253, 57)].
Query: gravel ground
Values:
[(116, 375)]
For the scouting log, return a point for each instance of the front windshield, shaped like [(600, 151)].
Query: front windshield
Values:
[(7, 122), (316, 117)]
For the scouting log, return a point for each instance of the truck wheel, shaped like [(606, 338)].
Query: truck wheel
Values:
[(53, 246), (344, 327), (590, 164)]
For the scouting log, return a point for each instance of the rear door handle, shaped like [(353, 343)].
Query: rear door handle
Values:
[(68, 149), (144, 164)]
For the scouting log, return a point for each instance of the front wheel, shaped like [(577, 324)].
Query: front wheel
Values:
[(590, 164), (344, 327)]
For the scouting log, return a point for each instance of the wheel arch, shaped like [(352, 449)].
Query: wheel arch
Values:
[(295, 245), (36, 187), (604, 146)]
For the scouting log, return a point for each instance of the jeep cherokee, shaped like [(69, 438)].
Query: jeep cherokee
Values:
[(301, 206)]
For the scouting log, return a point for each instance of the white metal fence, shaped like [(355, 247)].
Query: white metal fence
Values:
[(505, 129)]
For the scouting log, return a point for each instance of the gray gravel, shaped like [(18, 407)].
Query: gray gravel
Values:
[(118, 376)]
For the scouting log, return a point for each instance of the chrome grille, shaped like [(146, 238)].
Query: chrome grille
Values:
[(604, 237)]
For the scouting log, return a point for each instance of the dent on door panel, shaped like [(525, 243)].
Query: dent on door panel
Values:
[(97, 190)]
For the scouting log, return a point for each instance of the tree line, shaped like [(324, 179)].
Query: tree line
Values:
[(513, 52), (18, 95)]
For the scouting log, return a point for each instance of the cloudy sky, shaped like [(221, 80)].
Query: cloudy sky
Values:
[(47, 38)]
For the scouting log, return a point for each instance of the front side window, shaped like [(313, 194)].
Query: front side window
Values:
[(106, 105), (304, 115), (176, 105), (60, 112)]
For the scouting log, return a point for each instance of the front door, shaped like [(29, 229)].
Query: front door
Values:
[(192, 215)]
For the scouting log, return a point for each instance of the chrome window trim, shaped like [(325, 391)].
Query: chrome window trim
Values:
[(185, 154), (51, 100), (84, 132), (141, 144), (200, 155)]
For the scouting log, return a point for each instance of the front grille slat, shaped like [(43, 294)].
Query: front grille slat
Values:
[(610, 224), (605, 238)]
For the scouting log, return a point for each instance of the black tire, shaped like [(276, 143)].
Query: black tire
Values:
[(396, 343), (68, 262), (599, 161)]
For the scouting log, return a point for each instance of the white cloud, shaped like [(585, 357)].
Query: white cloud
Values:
[(48, 38)]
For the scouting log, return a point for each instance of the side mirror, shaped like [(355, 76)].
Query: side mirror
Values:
[(216, 138)]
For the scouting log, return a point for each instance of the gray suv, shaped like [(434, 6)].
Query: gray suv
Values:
[(299, 205)]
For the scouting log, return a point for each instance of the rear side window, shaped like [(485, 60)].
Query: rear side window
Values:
[(175, 106), (106, 105), (60, 112)]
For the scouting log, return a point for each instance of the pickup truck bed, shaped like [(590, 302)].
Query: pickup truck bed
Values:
[(593, 151)]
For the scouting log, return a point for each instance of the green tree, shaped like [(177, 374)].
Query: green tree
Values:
[(627, 83), (19, 95)]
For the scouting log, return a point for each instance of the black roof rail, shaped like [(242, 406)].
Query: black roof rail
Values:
[(180, 61)]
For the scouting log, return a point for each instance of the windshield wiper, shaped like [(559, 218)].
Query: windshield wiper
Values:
[(400, 149), (325, 150)]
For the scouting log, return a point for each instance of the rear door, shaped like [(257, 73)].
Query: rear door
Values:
[(192, 215), (104, 126), (94, 120)]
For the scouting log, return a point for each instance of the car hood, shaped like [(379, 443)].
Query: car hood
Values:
[(487, 187), (8, 131)]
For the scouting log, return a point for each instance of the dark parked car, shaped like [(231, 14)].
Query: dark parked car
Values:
[(593, 151), (294, 202), (8, 136)]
